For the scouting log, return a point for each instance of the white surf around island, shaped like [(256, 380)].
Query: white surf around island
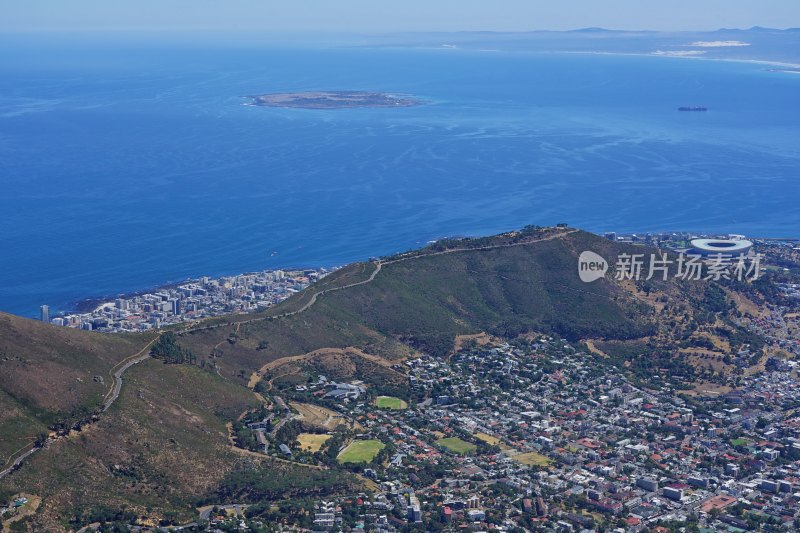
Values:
[(791, 67), (718, 44)]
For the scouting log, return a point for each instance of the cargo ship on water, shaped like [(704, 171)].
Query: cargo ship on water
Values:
[(693, 108)]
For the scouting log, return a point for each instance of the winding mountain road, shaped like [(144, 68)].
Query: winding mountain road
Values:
[(18, 461), (110, 397), (378, 267), (126, 363), (144, 353), (313, 300)]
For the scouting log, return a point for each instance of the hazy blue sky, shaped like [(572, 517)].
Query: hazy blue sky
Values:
[(397, 15)]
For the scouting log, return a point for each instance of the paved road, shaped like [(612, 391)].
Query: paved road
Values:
[(111, 397), (18, 461), (145, 352), (126, 363), (118, 380), (313, 300)]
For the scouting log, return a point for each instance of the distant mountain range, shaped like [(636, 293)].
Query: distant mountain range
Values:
[(752, 29)]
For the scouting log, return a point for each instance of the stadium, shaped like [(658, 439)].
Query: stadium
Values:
[(729, 247)]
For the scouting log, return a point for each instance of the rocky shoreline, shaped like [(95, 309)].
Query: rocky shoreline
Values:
[(333, 100)]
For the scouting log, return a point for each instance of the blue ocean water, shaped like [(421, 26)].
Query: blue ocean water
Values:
[(124, 167)]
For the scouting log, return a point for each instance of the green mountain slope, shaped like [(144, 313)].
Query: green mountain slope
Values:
[(163, 447), (525, 283)]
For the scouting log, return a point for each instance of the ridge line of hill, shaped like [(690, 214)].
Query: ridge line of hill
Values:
[(378, 266), (177, 419), (144, 354), (125, 364)]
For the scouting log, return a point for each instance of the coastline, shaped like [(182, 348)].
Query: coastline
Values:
[(765, 62), (326, 100), (191, 300), (92, 304), (96, 304), (108, 289)]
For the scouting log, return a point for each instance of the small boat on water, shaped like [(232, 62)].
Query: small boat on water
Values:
[(693, 108)]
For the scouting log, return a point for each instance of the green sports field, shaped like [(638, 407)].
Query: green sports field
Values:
[(456, 445), (361, 451), (390, 402)]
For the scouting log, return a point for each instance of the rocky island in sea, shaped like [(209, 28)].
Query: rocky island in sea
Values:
[(333, 100)]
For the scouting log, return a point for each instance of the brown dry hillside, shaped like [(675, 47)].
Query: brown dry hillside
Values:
[(163, 445), (47, 376)]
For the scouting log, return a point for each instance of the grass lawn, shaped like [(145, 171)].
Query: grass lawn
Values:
[(532, 459), (311, 441), (361, 451), (456, 445), (318, 416), (390, 402), (740, 442), (488, 439)]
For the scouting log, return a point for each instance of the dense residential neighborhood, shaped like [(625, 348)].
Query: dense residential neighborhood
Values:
[(686, 424), (192, 300), (537, 435)]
